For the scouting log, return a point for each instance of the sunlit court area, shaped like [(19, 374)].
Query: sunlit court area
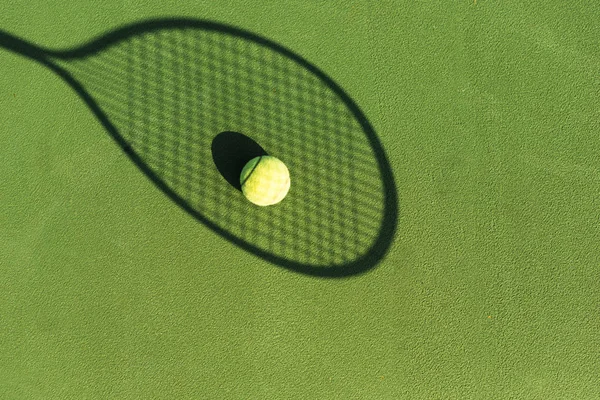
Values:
[(300, 200)]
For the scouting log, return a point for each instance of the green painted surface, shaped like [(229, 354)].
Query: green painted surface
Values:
[(489, 114)]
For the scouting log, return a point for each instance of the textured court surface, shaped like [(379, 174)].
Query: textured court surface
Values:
[(488, 113)]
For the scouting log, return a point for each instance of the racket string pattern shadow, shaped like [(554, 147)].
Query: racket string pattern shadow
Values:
[(165, 89)]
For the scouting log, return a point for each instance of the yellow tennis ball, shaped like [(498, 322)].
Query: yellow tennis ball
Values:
[(265, 180)]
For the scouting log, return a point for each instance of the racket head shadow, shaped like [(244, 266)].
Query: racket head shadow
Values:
[(174, 93)]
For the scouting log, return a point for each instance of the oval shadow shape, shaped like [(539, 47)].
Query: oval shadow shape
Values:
[(231, 151), (164, 88)]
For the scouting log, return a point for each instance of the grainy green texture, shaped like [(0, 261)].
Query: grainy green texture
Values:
[(489, 112)]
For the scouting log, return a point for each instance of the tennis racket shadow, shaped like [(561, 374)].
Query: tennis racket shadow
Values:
[(181, 96)]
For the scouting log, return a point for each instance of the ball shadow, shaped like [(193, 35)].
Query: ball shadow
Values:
[(231, 151)]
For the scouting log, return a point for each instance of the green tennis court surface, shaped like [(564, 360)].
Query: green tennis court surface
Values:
[(439, 240)]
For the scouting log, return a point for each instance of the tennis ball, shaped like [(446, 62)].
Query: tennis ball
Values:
[(265, 180)]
